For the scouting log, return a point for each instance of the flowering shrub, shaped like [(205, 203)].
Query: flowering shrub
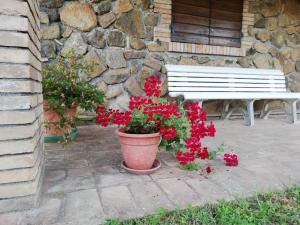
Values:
[(182, 125)]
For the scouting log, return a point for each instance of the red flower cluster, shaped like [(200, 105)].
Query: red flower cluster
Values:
[(112, 116), (231, 159), (152, 86), (136, 102), (185, 157), (168, 132), (165, 110), (197, 117), (208, 169)]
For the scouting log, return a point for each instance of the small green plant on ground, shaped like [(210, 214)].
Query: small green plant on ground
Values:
[(280, 207)]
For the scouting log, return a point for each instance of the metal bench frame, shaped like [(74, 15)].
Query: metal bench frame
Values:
[(203, 83)]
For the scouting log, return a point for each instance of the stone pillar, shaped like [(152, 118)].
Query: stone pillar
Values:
[(21, 108)]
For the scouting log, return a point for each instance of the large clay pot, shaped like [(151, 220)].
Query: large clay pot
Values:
[(51, 116), (139, 150)]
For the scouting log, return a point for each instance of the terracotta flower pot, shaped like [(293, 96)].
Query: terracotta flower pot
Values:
[(139, 150), (50, 116)]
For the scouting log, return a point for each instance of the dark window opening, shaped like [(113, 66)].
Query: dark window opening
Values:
[(209, 22)]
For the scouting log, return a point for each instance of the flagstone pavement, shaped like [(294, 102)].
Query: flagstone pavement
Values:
[(84, 184)]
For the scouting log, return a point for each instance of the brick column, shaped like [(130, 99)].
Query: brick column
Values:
[(21, 142)]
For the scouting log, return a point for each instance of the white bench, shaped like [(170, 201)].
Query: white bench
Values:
[(224, 83)]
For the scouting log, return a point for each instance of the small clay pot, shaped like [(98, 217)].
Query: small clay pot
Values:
[(52, 116), (139, 150)]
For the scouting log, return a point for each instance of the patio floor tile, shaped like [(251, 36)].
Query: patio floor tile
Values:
[(85, 203), (150, 197), (119, 203), (179, 192)]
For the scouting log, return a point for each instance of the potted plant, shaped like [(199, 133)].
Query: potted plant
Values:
[(152, 121), (63, 92)]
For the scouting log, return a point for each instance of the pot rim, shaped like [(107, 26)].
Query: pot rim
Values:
[(120, 132)]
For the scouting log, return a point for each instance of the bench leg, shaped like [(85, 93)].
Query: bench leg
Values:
[(250, 113), (200, 103), (226, 113), (293, 111)]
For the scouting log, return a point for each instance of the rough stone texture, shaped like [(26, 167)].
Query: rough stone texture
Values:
[(142, 4), (152, 63), (79, 15), (133, 87), (262, 35), (131, 23), (260, 47), (123, 6), (52, 13), (298, 65), (245, 62), (96, 38), (272, 23), (278, 38), (50, 32), (92, 58), (103, 7), (270, 8), (116, 38), (51, 3), (48, 49), (116, 75), (76, 43), (44, 18), (151, 19), (106, 19), (113, 91), (115, 58), (130, 54), (137, 44), (261, 61)]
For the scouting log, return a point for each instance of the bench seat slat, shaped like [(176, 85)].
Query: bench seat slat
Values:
[(229, 75), (222, 70), (224, 80), (232, 95), (233, 85), (219, 89)]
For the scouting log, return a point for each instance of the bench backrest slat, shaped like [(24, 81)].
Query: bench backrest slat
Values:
[(219, 79)]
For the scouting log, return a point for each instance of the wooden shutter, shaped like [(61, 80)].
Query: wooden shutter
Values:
[(211, 22)]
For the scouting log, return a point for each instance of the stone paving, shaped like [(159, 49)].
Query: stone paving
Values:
[(84, 184)]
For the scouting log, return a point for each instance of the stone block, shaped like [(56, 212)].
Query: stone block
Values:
[(20, 161), (20, 175), (118, 203), (19, 146), (14, 55), (20, 117), (20, 86), (19, 102), (19, 71), (18, 132), (20, 189), (82, 204), (150, 197), (179, 192)]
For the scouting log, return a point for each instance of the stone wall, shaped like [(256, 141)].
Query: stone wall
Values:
[(120, 37), (21, 146)]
